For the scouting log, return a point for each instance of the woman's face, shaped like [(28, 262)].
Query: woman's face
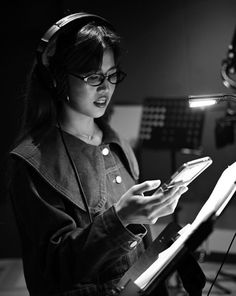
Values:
[(88, 100)]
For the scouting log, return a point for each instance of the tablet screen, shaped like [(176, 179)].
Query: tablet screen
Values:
[(188, 171)]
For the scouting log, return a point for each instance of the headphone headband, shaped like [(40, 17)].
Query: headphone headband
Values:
[(52, 32)]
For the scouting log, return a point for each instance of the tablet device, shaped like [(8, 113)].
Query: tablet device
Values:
[(187, 172)]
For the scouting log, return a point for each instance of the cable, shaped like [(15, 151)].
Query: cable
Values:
[(223, 262), (76, 174)]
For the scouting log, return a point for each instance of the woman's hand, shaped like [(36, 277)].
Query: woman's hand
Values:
[(135, 208)]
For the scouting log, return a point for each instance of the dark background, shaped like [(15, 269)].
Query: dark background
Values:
[(174, 48)]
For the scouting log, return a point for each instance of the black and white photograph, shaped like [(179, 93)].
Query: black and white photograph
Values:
[(118, 148)]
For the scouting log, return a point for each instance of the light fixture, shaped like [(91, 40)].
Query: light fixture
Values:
[(201, 101), (224, 128)]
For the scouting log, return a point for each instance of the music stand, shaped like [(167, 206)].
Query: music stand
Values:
[(169, 123), (152, 268)]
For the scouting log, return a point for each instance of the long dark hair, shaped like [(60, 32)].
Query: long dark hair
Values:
[(78, 51)]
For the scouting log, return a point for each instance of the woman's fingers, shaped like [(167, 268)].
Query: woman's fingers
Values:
[(134, 207), (166, 205), (145, 186), (162, 198)]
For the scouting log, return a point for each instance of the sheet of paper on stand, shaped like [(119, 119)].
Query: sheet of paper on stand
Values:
[(211, 210)]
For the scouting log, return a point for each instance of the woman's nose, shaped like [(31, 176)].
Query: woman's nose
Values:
[(105, 85)]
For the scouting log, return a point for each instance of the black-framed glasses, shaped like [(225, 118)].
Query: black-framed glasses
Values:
[(97, 79)]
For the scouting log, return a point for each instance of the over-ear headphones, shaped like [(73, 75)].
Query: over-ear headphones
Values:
[(46, 46)]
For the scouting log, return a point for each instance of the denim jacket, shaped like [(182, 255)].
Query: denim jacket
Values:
[(63, 252)]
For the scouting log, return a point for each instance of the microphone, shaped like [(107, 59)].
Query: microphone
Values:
[(229, 64)]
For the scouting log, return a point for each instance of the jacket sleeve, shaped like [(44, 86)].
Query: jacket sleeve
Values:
[(67, 249)]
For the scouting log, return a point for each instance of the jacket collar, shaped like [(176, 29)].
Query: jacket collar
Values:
[(48, 156)]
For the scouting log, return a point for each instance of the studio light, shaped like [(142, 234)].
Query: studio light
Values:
[(201, 101), (224, 127)]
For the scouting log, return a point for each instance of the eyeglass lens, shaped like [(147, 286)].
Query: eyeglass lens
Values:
[(96, 79)]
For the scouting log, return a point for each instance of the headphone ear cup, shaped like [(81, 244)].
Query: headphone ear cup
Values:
[(60, 82), (56, 83), (46, 77)]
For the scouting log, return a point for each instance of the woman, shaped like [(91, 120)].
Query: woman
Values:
[(74, 188)]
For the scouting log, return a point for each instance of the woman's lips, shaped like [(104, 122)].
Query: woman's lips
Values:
[(101, 102)]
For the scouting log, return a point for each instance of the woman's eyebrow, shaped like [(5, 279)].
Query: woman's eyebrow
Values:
[(112, 68)]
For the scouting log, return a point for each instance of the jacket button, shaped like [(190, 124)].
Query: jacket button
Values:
[(105, 151), (132, 244), (118, 179)]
